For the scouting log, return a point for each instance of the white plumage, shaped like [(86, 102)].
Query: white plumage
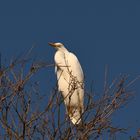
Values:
[(70, 81)]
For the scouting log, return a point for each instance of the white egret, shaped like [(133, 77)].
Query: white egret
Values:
[(70, 81)]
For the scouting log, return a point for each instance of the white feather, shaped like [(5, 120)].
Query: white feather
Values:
[(70, 82)]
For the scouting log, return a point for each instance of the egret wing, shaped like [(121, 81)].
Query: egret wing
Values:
[(75, 66)]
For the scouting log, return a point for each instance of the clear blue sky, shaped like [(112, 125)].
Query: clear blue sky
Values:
[(99, 32)]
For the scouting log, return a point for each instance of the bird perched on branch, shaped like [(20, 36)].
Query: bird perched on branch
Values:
[(70, 81)]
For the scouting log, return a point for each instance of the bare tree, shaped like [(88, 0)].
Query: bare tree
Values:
[(25, 114)]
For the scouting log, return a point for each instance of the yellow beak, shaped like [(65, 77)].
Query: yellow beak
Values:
[(52, 44)]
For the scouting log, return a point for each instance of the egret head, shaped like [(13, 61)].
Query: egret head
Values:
[(58, 46)]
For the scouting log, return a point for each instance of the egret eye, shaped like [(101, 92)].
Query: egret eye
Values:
[(59, 46)]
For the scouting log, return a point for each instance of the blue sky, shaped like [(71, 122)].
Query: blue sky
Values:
[(98, 32)]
